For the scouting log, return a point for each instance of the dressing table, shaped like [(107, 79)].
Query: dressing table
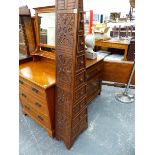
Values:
[(37, 77)]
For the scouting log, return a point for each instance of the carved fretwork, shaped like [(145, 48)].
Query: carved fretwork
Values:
[(64, 68), (71, 107), (65, 30)]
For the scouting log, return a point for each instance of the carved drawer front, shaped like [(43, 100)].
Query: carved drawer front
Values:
[(79, 128), (81, 43), (79, 106), (82, 115), (38, 117), (80, 93), (32, 88), (81, 21), (79, 79), (80, 62), (92, 71)]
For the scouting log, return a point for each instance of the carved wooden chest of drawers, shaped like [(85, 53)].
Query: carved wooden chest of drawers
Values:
[(37, 93), (94, 78)]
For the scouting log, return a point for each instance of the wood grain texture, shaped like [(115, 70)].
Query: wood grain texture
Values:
[(70, 63), (115, 71)]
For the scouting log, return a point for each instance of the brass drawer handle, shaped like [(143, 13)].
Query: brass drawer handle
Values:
[(24, 95), (35, 90), (40, 118), (27, 107), (21, 82), (38, 104)]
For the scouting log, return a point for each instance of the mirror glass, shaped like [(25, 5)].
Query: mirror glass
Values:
[(47, 28)]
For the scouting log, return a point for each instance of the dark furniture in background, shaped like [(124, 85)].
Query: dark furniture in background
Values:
[(124, 31), (131, 50)]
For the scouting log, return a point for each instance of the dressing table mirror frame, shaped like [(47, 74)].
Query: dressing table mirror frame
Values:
[(28, 33), (38, 50)]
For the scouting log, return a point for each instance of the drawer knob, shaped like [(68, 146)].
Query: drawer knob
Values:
[(40, 118), (21, 82), (38, 104), (81, 79), (27, 107), (82, 21), (35, 90), (81, 61), (24, 95)]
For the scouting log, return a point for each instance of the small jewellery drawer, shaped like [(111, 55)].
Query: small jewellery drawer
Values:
[(42, 119), (80, 62), (35, 102), (80, 93), (32, 88), (79, 117), (79, 128), (79, 106), (80, 79), (81, 43)]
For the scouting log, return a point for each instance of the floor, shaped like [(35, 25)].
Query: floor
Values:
[(111, 130)]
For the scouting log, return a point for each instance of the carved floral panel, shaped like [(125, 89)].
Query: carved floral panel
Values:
[(65, 30)]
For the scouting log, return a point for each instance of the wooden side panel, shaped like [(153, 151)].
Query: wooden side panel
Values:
[(70, 63), (117, 71)]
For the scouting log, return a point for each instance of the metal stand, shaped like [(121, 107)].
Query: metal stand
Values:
[(125, 97)]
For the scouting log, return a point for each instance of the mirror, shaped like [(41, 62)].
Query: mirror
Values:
[(47, 28)]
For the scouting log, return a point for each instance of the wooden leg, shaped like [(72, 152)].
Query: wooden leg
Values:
[(125, 53), (50, 133)]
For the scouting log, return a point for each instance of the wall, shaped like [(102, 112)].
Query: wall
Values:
[(98, 6)]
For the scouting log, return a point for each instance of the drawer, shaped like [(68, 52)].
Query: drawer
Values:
[(38, 117), (32, 88), (81, 43), (79, 128), (93, 85), (79, 106), (35, 102), (81, 23), (93, 70), (80, 93), (80, 62), (80, 79), (106, 45), (82, 115), (119, 46)]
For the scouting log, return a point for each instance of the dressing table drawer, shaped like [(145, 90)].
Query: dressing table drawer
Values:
[(32, 88), (93, 70), (38, 117)]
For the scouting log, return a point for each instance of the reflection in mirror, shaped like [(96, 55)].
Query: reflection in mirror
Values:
[(47, 28)]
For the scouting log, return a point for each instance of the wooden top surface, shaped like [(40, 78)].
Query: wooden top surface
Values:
[(115, 41), (90, 62), (43, 73)]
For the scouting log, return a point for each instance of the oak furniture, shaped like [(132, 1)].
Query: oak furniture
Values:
[(37, 79), (118, 44), (54, 86)]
